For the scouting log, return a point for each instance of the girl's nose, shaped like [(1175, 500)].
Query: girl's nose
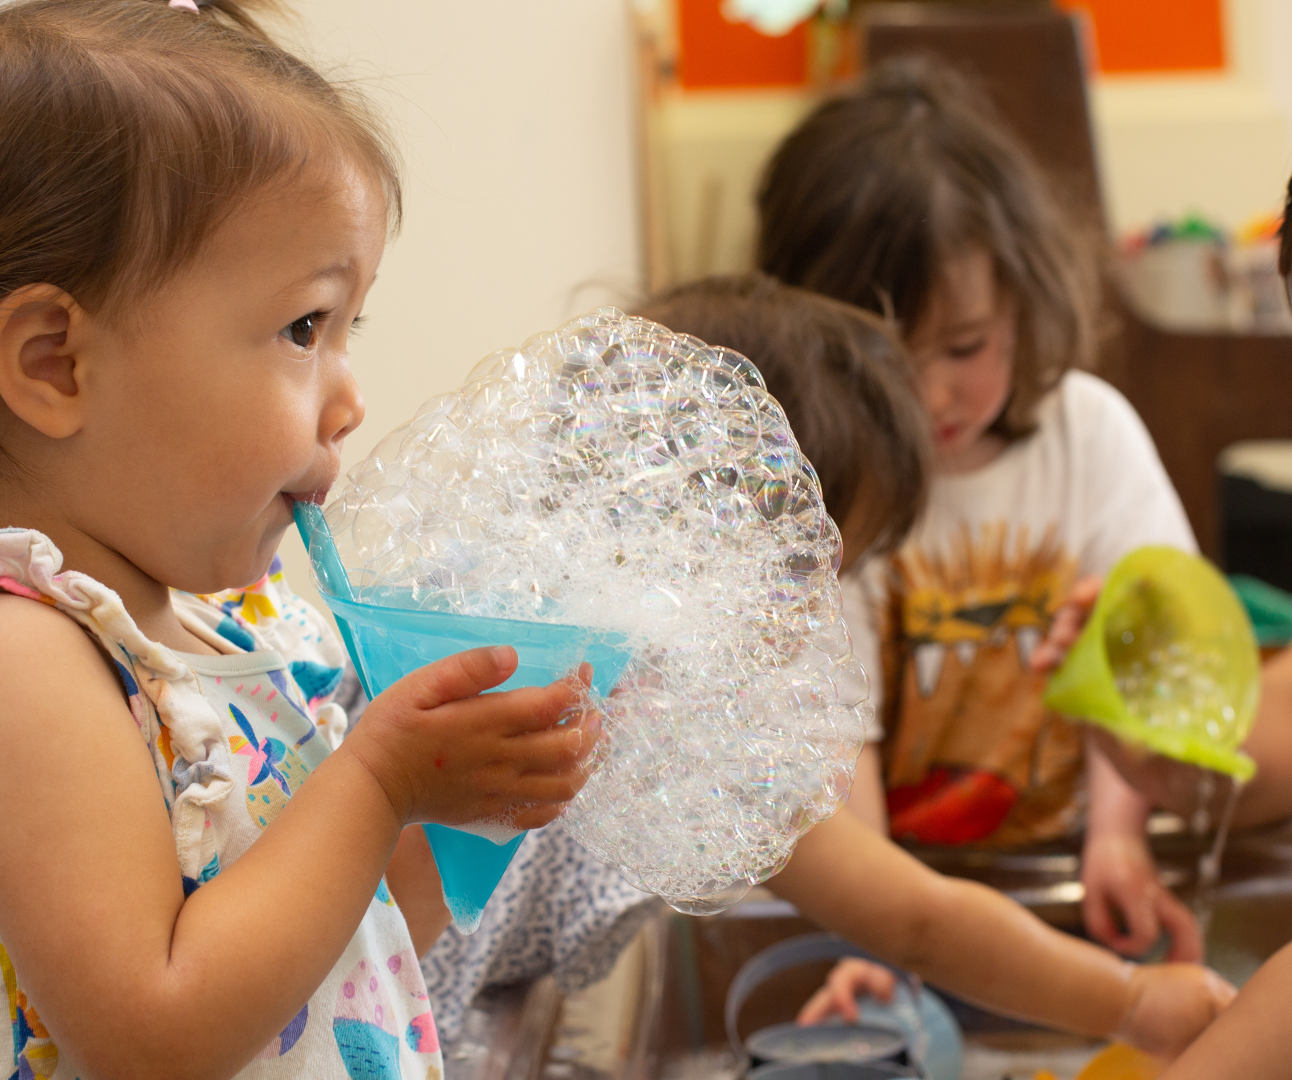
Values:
[(343, 410), (935, 389)]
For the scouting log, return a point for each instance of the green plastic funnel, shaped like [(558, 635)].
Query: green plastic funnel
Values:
[(1167, 660)]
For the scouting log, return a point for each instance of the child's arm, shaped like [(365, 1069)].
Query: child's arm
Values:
[(1252, 1038), (977, 943), (866, 800), (1120, 876), (414, 880), (132, 979)]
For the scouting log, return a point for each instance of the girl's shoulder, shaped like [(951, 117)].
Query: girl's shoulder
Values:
[(1084, 403), (41, 641), (1087, 420)]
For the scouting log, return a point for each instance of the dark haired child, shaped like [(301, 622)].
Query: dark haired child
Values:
[(842, 377), (190, 219), (908, 197)]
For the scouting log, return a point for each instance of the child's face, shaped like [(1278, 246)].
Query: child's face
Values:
[(230, 392), (964, 352)]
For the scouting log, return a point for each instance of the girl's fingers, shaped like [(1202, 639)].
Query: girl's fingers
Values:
[(463, 675), (535, 817), (548, 787), (820, 1006), (1142, 926), (1181, 927), (551, 751), (876, 981), (1099, 921), (511, 712)]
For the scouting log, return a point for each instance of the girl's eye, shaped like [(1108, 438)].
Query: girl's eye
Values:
[(301, 332), (965, 350)]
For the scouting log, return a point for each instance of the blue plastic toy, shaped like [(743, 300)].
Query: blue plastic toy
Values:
[(386, 642)]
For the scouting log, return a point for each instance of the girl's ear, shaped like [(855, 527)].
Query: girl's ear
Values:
[(41, 376)]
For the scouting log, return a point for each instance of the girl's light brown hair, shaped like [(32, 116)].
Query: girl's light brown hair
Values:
[(129, 130), (842, 377), (874, 191)]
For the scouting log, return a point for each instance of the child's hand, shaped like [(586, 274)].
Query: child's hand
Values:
[(1067, 625), (1170, 1006), (1126, 907), (838, 997), (444, 751)]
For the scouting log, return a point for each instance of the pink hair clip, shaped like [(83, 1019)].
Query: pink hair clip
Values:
[(187, 5)]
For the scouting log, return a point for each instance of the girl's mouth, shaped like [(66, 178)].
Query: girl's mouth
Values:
[(317, 496)]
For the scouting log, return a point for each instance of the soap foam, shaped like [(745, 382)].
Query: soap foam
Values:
[(615, 475)]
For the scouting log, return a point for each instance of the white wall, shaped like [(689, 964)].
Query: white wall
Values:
[(1216, 144), (516, 122)]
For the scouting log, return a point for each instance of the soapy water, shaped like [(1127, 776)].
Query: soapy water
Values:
[(1209, 861), (616, 476), (1178, 685), (1182, 686)]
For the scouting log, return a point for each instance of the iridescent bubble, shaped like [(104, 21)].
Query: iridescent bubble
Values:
[(615, 475)]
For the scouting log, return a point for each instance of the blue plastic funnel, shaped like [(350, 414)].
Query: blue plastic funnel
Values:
[(387, 642)]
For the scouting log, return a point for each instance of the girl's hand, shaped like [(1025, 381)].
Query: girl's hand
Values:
[(850, 978), (444, 751), (1170, 1005), (1067, 625), (1126, 907)]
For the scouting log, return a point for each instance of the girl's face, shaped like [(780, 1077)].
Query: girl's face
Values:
[(964, 354), (228, 393)]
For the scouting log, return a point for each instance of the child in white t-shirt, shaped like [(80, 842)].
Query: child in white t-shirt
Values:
[(907, 197), (842, 378)]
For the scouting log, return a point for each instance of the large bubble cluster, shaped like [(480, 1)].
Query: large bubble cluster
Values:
[(1182, 687), (615, 475)]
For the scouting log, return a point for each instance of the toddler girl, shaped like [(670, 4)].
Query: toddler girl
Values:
[(907, 198), (190, 219)]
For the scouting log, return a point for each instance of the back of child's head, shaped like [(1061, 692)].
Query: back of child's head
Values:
[(875, 191), (131, 129), (842, 377)]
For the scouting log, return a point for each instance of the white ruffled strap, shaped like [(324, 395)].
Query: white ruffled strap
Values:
[(32, 562)]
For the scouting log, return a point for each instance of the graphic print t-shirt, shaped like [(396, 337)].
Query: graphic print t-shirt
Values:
[(947, 626)]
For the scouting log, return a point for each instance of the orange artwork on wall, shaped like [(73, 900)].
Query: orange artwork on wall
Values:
[(716, 54), (1141, 36)]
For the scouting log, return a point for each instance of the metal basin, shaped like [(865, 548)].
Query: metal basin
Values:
[(1252, 919), (661, 1016)]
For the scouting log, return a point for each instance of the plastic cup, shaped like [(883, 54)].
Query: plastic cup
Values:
[(386, 642), (1154, 599)]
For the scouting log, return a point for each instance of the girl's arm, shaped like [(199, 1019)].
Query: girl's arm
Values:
[(132, 979), (866, 800), (1252, 1037), (978, 944)]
